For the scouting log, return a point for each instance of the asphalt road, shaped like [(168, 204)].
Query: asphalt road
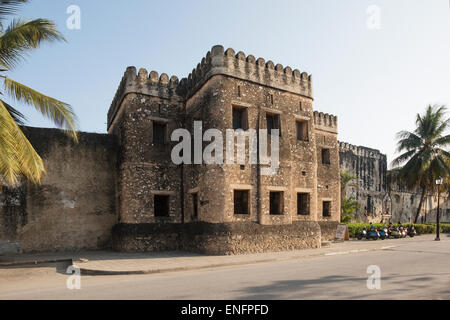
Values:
[(412, 270)]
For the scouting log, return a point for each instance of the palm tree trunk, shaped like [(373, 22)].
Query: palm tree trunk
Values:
[(420, 205)]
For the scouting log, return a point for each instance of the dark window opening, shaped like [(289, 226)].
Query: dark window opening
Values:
[(159, 133), (239, 91), (195, 206), (276, 203), (273, 123), (326, 156), (240, 118), (369, 204), (241, 202), (161, 206), (326, 211), (302, 130), (303, 204)]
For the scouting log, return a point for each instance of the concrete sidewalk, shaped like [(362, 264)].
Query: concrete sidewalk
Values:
[(115, 263)]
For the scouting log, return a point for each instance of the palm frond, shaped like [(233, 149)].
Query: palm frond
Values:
[(408, 141), (22, 36), (402, 158), (18, 117), (443, 141), (9, 7), (441, 128), (57, 111)]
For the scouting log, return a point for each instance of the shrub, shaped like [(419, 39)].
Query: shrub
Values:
[(429, 228), (346, 219)]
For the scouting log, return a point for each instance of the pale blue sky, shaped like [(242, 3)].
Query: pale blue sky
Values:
[(375, 81)]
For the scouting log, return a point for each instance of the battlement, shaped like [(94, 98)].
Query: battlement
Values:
[(361, 151), (151, 84), (326, 122), (219, 61)]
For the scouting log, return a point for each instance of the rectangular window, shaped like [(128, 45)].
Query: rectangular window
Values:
[(303, 204), (161, 206), (326, 156), (241, 202), (369, 204), (240, 118), (326, 211), (195, 206), (159, 133), (302, 130), (273, 123), (276, 203)]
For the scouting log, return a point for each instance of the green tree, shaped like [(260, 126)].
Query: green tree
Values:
[(348, 205), (424, 153), (19, 37)]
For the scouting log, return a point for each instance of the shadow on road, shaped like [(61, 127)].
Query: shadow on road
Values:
[(339, 287)]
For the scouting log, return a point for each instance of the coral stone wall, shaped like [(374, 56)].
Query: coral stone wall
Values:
[(217, 239), (74, 207), (328, 185)]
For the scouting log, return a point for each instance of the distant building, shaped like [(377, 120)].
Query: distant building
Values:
[(380, 197)]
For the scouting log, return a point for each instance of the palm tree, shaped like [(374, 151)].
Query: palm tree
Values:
[(424, 153), (18, 158)]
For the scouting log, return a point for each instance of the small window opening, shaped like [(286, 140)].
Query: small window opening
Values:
[(273, 123), (303, 204), (241, 204), (326, 209), (195, 206), (159, 133), (240, 118), (302, 131), (161, 206), (326, 156), (276, 203)]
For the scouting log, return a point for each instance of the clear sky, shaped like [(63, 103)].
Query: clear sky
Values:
[(374, 80)]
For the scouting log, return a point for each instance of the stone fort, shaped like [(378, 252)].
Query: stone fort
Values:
[(121, 190)]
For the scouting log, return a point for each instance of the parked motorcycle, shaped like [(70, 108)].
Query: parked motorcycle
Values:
[(383, 233), (394, 233), (362, 234), (403, 232), (412, 232), (372, 234)]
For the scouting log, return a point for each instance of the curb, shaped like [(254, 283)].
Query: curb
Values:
[(33, 263)]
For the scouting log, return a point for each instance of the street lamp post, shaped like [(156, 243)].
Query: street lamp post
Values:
[(439, 182)]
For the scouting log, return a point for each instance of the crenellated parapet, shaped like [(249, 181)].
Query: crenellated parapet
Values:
[(217, 62), (142, 82), (326, 122), (361, 151), (238, 65)]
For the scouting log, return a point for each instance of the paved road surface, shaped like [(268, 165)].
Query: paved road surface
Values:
[(412, 270)]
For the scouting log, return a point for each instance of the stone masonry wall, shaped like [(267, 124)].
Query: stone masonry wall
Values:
[(217, 239), (74, 207)]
